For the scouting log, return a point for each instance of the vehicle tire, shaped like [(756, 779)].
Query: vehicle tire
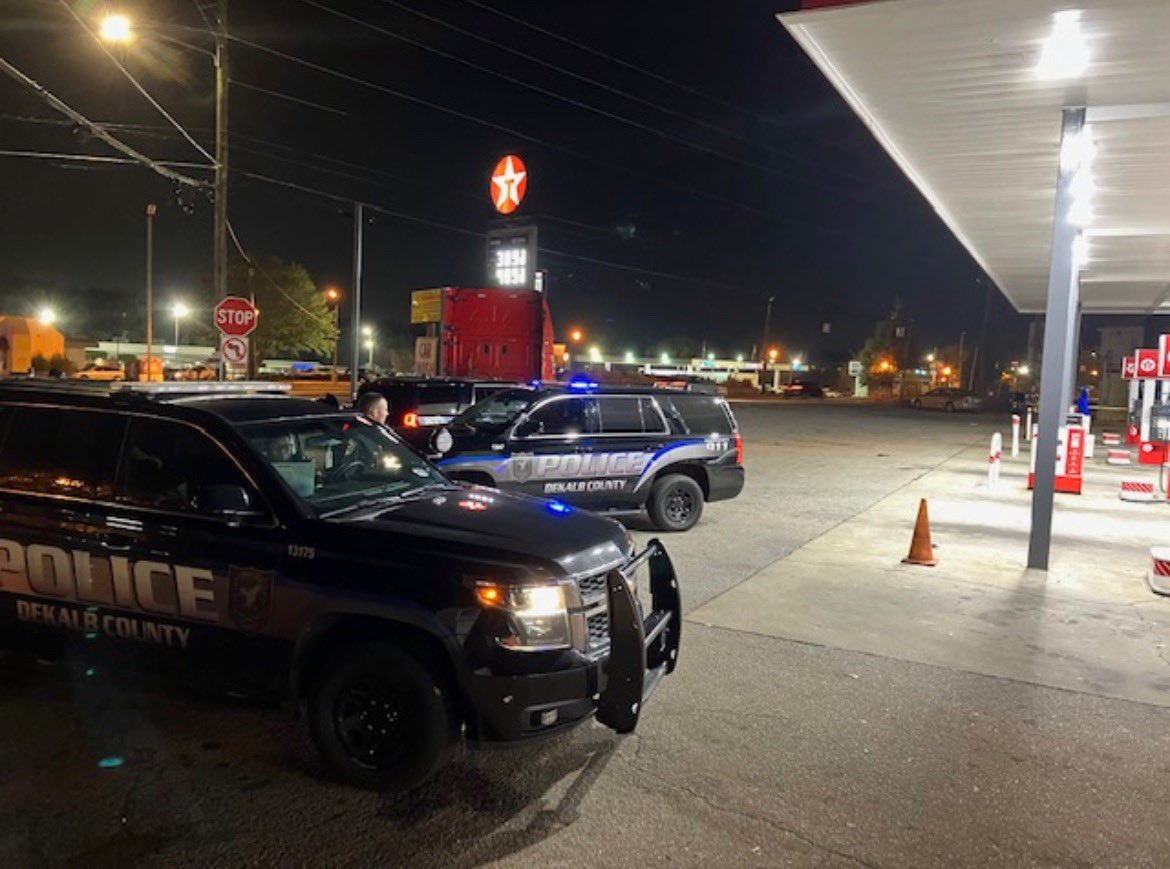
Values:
[(381, 718), (950, 408), (676, 503), (916, 404)]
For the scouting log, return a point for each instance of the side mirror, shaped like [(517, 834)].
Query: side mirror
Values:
[(529, 427), (228, 501)]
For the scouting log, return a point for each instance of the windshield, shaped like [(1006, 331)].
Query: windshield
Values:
[(500, 409), (333, 463)]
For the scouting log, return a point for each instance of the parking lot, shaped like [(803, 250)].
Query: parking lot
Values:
[(782, 743)]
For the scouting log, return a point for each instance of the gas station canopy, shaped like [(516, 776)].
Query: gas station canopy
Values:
[(951, 89)]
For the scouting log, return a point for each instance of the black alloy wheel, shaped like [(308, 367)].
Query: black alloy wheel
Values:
[(676, 503), (381, 718)]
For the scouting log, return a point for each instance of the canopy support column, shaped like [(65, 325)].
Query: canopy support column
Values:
[(1060, 320)]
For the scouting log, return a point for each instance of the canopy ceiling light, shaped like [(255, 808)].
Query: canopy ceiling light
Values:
[(1065, 53)]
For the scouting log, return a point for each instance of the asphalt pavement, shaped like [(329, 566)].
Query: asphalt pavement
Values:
[(759, 751)]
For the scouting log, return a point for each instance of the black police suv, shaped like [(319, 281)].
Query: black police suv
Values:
[(618, 449), (418, 402), (222, 533)]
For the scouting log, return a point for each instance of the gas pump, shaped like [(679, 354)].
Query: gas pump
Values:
[(1129, 375), (1150, 452), (1160, 433)]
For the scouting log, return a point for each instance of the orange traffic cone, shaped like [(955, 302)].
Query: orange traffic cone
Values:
[(921, 551)]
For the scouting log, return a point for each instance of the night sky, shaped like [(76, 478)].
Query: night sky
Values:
[(737, 172)]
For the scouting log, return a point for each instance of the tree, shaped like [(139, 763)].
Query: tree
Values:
[(888, 350), (293, 316)]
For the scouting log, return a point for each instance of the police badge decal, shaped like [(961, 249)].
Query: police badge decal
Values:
[(249, 597), (522, 469)]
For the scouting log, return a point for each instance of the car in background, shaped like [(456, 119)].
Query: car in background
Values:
[(419, 402), (105, 371), (948, 399), (201, 371), (802, 389)]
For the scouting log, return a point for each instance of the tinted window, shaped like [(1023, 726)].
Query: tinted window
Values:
[(566, 416), (166, 464), (620, 415), (629, 414), (62, 452), (702, 414)]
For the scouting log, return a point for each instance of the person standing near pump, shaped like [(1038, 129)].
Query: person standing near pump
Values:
[(375, 406)]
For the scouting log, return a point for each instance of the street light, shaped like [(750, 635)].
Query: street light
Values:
[(46, 316), (665, 357), (179, 311), (576, 336), (368, 333), (710, 357), (773, 355), (116, 29), (333, 303), (1023, 371), (629, 357), (739, 357), (594, 353)]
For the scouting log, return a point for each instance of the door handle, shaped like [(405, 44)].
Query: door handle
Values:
[(117, 541)]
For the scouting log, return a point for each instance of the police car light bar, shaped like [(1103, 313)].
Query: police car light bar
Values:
[(246, 387)]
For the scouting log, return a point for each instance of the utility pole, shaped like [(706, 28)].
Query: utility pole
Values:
[(356, 328), (962, 339), (220, 213), (767, 327), (151, 208)]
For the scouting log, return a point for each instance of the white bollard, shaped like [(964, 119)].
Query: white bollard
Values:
[(1028, 424), (994, 460), (1015, 435)]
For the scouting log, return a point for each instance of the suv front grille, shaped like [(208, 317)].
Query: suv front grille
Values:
[(595, 608), (598, 628), (591, 587)]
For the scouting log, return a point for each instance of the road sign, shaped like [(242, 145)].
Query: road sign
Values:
[(426, 306), (509, 184), (233, 350), (1147, 364), (854, 368), (235, 316)]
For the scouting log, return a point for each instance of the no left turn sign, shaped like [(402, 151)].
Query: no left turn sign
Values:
[(234, 350)]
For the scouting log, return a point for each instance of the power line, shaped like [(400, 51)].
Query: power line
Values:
[(580, 155), (289, 97), (97, 129), (264, 274), (94, 158), (136, 83), (609, 58), (638, 125)]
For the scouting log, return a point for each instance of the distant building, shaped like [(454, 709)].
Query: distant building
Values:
[(22, 338)]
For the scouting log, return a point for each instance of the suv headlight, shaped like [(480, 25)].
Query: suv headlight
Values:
[(537, 614)]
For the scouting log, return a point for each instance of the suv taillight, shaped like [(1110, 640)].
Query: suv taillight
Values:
[(738, 448), (410, 419)]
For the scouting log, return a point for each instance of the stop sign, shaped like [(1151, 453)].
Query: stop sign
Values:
[(235, 316)]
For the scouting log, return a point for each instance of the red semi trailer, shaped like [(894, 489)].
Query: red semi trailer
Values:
[(494, 334)]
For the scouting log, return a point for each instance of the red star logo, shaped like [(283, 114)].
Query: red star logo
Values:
[(509, 183)]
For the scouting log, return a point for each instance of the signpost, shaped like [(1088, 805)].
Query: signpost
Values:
[(235, 317)]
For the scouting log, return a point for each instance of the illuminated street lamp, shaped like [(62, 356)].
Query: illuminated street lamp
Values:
[(1023, 371), (739, 357), (116, 29), (629, 357), (178, 310), (710, 357), (773, 355), (46, 316), (594, 353), (576, 336), (665, 357), (333, 303), (368, 334)]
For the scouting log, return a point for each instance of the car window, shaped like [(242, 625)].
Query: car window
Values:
[(166, 464), (443, 394), (499, 410), (567, 416), (701, 414), (60, 451), (629, 414), (335, 463)]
